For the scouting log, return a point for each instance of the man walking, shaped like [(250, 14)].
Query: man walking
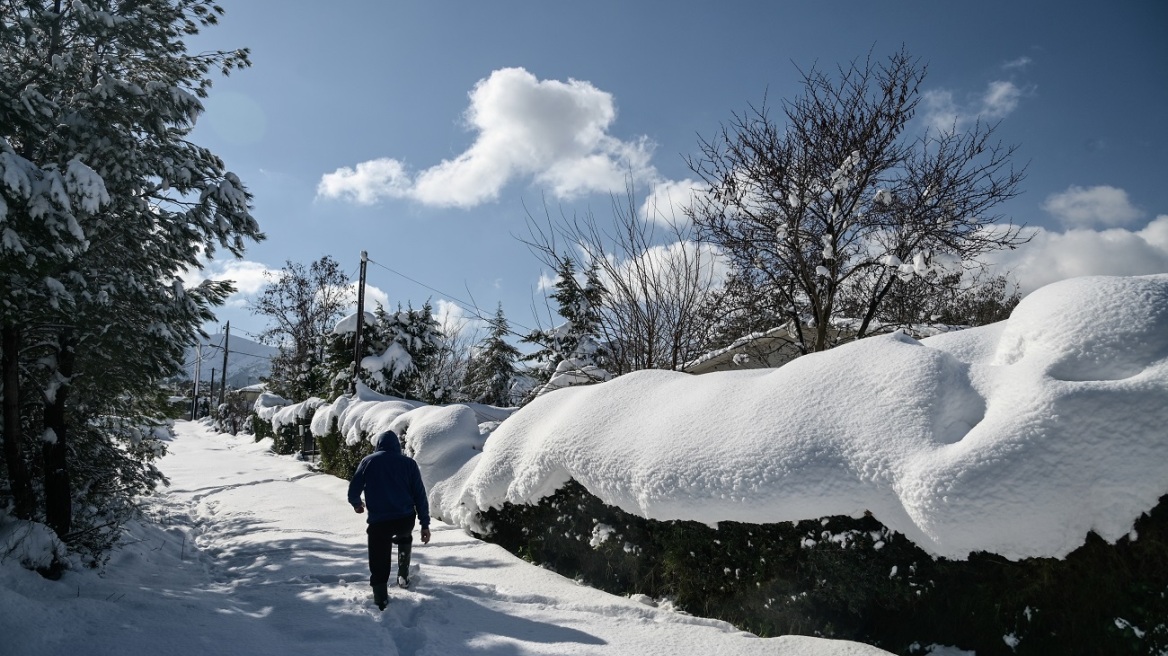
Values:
[(396, 497)]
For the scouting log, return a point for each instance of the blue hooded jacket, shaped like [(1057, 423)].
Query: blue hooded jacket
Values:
[(392, 484)]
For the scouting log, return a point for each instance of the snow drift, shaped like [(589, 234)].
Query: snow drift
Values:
[(1017, 438)]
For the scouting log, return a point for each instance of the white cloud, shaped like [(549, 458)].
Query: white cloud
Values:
[(553, 132), (940, 109), (247, 276), (367, 183), (944, 113), (374, 297), (1021, 62), (668, 264), (1000, 99), (1052, 256), (547, 281), (454, 319), (668, 201), (1103, 206)]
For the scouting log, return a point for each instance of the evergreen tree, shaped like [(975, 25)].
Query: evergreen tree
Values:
[(104, 204), (491, 372), (572, 353), (398, 348), (578, 337)]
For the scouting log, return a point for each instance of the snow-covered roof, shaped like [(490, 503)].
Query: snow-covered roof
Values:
[(772, 348), (778, 346), (1016, 438), (572, 371)]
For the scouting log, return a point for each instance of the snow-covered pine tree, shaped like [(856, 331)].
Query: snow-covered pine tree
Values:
[(104, 204), (397, 349), (491, 372), (573, 349), (337, 366)]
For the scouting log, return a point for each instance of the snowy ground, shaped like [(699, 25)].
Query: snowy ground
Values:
[(252, 553)]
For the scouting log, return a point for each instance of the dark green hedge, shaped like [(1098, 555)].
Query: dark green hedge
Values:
[(288, 439), (828, 578), (261, 428), (338, 458)]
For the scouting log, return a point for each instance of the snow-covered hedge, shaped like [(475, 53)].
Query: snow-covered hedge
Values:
[(440, 438), (268, 404), (1018, 438), (853, 578), (1011, 478)]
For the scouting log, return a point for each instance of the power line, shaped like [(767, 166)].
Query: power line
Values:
[(469, 307), (237, 352)]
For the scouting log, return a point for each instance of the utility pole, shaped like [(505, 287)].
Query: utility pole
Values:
[(223, 388), (198, 373), (211, 396), (360, 322)]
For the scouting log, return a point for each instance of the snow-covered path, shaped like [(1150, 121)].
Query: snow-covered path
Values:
[(254, 554)]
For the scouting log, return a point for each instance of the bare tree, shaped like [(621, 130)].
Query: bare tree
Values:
[(839, 200), (446, 374), (655, 278), (302, 305)]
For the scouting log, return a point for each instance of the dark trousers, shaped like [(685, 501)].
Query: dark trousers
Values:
[(382, 537)]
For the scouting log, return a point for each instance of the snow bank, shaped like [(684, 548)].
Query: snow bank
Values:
[(1016, 438), (441, 438), (290, 415), (364, 415), (31, 544), (267, 405)]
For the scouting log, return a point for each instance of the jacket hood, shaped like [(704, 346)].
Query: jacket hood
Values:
[(388, 442)]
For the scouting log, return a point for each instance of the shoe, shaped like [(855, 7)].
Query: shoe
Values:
[(403, 581), (381, 596)]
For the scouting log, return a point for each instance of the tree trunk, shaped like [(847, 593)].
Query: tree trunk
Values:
[(18, 478), (58, 493)]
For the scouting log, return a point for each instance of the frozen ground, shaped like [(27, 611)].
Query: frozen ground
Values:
[(252, 553)]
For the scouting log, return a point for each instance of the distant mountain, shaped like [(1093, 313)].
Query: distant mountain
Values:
[(247, 361)]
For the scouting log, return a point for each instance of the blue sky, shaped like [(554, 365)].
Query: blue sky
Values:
[(418, 131)]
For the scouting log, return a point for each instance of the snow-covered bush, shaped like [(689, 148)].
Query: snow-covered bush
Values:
[(1002, 480), (290, 424), (338, 457), (265, 408), (853, 578), (232, 416), (111, 466), (33, 545), (441, 438), (398, 348)]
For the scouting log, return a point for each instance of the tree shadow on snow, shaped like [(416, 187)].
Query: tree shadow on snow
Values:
[(314, 589)]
